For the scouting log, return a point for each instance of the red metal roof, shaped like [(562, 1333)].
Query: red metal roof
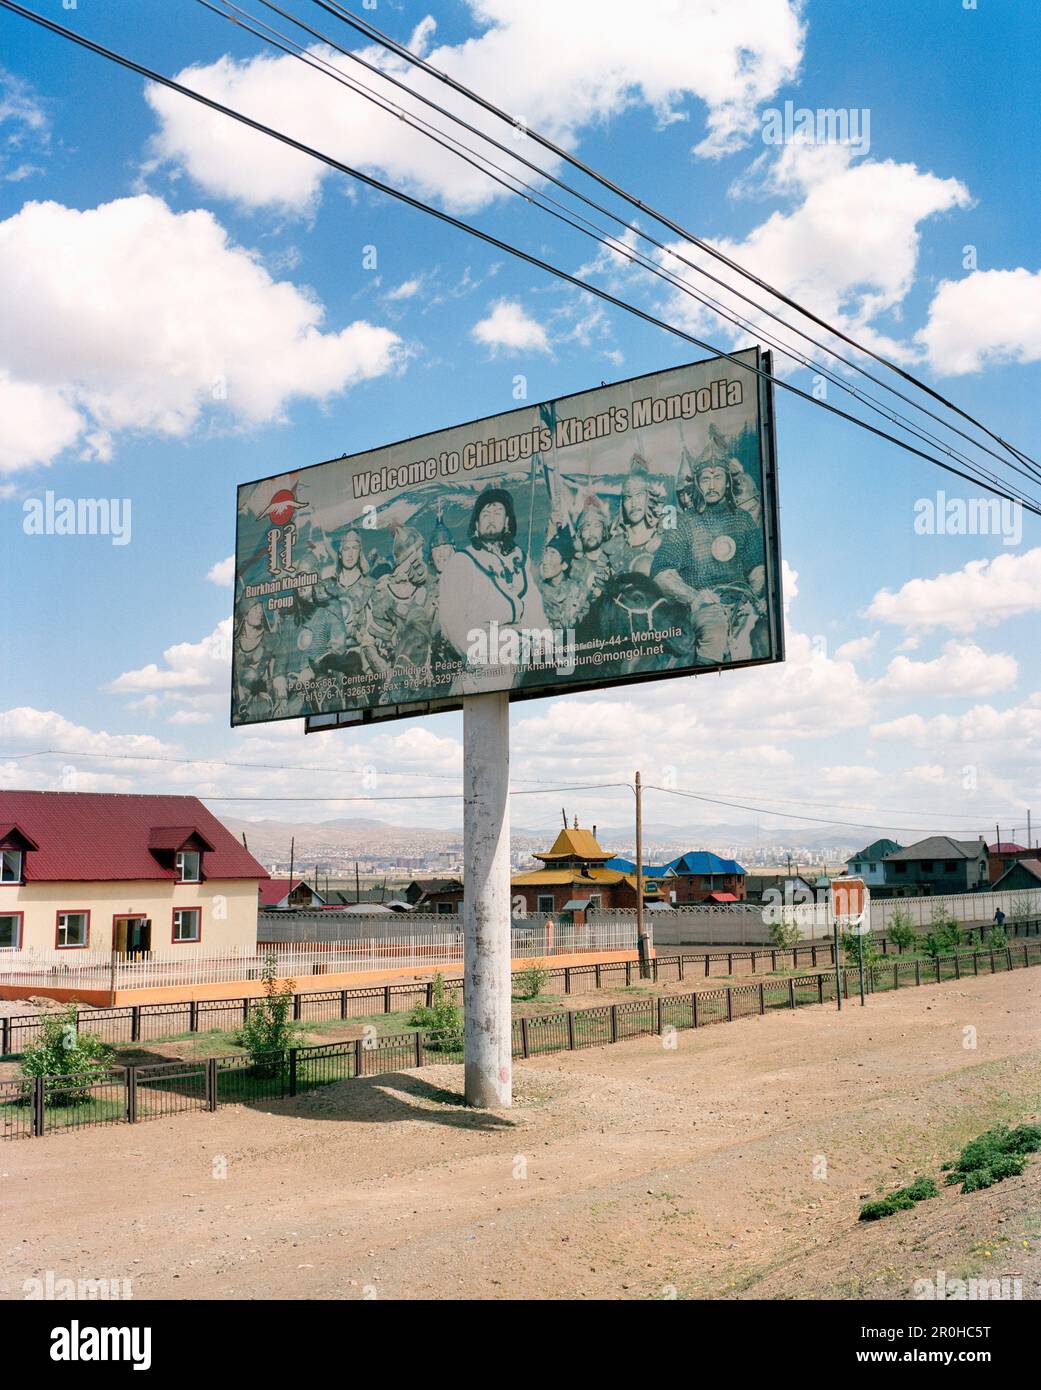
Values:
[(275, 889), (1007, 847), (96, 837)]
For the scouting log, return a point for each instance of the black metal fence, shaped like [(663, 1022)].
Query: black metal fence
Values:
[(129, 1095), (156, 1022)]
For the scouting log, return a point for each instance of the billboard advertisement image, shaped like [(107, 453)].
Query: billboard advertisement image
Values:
[(624, 533)]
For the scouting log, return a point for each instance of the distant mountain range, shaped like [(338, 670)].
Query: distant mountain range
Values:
[(364, 837)]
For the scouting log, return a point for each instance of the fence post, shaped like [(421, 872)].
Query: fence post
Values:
[(820, 989), (679, 960), (773, 961), (918, 972), (571, 1030), (614, 1023), (660, 1015), (992, 967), (730, 1005), (292, 1071), (762, 1001), (39, 1105), (628, 973), (957, 966), (937, 969), (131, 1084), (419, 1048), (1008, 954), (358, 1057), (654, 969), (386, 999), (730, 962), (211, 1083), (567, 979), (975, 962), (245, 1009), (343, 1003), (5, 1035), (694, 1007), (296, 1006), (135, 1023), (430, 994), (193, 1016), (525, 1045), (813, 957), (708, 964), (896, 975), (791, 993), (1026, 958)]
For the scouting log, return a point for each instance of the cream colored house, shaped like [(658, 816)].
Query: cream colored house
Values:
[(81, 872)]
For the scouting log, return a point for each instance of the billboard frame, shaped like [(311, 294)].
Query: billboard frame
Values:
[(763, 370)]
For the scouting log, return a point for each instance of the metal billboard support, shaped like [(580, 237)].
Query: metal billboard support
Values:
[(487, 955)]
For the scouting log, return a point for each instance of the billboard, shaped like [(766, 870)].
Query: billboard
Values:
[(622, 534)]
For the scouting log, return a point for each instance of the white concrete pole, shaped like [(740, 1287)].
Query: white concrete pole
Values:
[(487, 982)]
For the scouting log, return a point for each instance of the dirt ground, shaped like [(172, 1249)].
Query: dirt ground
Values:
[(731, 1166)]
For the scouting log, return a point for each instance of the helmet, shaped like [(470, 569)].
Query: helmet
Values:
[(406, 540)]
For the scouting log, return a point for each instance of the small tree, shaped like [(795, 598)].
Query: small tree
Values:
[(945, 936), (996, 938), (61, 1049), (268, 1031), (443, 1019), (900, 931), (533, 979), (785, 935), (859, 947)]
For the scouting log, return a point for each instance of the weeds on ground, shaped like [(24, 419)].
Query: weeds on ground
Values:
[(901, 1200), (442, 1019), (999, 1153)]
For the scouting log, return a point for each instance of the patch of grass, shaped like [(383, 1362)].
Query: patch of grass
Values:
[(997, 1154), (901, 1200)]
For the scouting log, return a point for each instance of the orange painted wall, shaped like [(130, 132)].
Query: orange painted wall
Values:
[(240, 989)]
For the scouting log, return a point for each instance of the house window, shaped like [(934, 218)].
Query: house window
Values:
[(857, 868), (927, 866), (950, 867), (594, 902), (444, 907), (10, 866), (10, 931), (187, 924), (188, 865), (901, 867), (544, 902), (73, 928), (872, 867)]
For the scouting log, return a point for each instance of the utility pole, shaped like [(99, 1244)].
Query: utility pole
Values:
[(357, 885), (487, 954), (292, 848), (641, 929)]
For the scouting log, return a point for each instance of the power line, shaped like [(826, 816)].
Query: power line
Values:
[(370, 31), (786, 815), (293, 49), (491, 240), (298, 51)]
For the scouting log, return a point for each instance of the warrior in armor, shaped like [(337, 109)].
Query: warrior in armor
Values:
[(400, 602), (635, 536), (591, 567), (713, 559), (253, 663), (440, 549), (561, 598)]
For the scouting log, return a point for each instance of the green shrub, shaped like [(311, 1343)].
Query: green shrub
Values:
[(997, 1154), (996, 938), (945, 938), (442, 1019), (857, 947), (268, 1031), (61, 1049), (900, 930), (533, 979), (901, 1200), (784, 936)]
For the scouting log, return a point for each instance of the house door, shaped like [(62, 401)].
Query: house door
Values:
[(133, 936)]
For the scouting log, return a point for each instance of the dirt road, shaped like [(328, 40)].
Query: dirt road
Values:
[(732, 1165)]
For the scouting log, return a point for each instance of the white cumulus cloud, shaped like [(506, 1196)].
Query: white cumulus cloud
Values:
[(509, 327), (989, 316), (983, 592), (130, 316)]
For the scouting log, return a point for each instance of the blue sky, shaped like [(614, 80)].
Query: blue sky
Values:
[(190, 310)]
